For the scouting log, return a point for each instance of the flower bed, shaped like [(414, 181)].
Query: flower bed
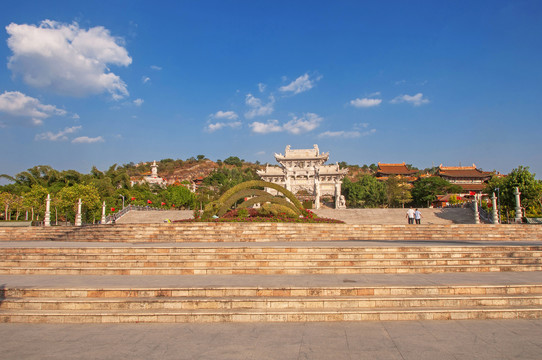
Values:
[(253, 216)]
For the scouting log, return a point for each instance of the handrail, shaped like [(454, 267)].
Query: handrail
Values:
[(112, 218), (484, 215)]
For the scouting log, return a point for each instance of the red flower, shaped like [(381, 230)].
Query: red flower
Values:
[(133, 198), (149, 202), (112, 209), (163, 203)]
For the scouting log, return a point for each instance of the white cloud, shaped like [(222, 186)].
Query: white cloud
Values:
[(346, 134), (261, 87), (268, 127), (361, 126), (87, 140), (257, 107), (340, 134), (230, 115), (138, 102), (18, 106), (157, 68), (220, 125), (299, 85), (66, 59), (307, 122), (415, 100), (76, 116), (59, 136), (365, 102), (145, 79)]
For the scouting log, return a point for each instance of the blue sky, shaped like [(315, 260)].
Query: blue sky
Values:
[(425, 82)]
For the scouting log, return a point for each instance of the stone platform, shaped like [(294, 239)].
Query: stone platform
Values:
[(350, 216), (298, 273)]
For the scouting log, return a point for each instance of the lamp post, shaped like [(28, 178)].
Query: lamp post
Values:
[(122, 196)]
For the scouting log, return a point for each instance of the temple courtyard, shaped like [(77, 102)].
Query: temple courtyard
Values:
[(445, 289)]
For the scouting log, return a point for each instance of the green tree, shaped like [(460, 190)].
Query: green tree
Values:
[(17, 205), (68, 198), (367, 192), (425, 190), (529, 187), (397, 191), (223, 179), (233, 160), (6, 201), (34, 200), (179, 196)]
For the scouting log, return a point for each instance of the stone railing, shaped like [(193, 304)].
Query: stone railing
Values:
[(114, 217), (484, 216)]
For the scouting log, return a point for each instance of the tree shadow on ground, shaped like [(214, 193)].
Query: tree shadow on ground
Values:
[(456, 215)]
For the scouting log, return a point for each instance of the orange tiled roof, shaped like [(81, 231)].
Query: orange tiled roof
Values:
[(472, 187), (394, 169), (462, 171)]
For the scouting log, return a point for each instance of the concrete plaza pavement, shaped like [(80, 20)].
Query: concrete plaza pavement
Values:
[(409, 340), (349, 216)]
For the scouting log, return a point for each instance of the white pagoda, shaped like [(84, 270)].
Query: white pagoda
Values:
[(151, 178), (302, 171)]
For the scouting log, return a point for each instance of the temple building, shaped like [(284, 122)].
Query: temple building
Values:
[(386, 171), (471, 179), (302, 171)]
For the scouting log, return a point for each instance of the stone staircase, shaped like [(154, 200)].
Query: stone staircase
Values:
[(272, 232), (235, 272), (266, 304), (265, 260)]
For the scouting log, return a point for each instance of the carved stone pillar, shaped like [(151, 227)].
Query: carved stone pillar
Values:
[(47, 219), (476, 212), (337, 193), (316, 192), (495, 210), (103, 213), (78, 221), (518, 206)]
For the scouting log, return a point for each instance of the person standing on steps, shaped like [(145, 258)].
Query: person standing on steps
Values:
[(418, 216), (410, 215)]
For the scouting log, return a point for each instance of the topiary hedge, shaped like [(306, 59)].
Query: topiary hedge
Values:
[(230, 197)]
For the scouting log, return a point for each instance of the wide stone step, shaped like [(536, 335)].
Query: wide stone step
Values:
[(288, 263), (246, 270), (257, 315), (270, 303), (260, 254), (258, 232), (274, 257), (278, 249), (290, 292)]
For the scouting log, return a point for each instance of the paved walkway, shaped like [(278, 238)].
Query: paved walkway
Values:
[(331, 280), (349, 216), (410, 340)]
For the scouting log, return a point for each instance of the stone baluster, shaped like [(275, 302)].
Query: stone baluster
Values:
[(518, 206), (337, 193), (78, 221), (495, 210), (103, 213), (476, 212), (47, 219)]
